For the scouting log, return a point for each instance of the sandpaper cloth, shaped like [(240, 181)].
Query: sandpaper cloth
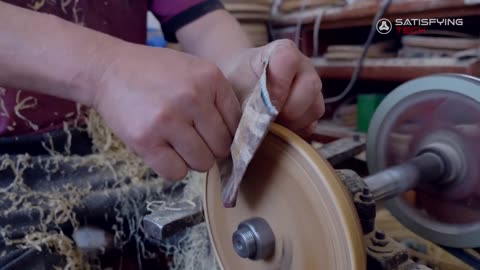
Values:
[(258, 113)]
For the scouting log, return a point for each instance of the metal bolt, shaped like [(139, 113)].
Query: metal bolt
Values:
[(365, 198), (380, 235), (244, 242), (254, 239)]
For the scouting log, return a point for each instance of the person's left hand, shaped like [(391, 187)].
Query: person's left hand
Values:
[(294, 85)]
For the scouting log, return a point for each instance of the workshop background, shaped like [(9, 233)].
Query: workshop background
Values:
[(334, 34), (359, 68)]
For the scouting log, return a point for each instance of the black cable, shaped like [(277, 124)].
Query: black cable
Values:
[(356, 73)]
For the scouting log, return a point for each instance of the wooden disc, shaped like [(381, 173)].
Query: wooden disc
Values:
[(297, 192)]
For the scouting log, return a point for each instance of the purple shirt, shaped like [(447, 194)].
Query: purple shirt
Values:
[(125, 19)]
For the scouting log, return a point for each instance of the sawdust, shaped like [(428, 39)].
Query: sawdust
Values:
[(193, 251), (55, 242), (56, 207)]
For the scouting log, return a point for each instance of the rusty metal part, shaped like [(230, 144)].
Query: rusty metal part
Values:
[(164, 223), (441, 114), (309, 210), (362, 199), (343, 149), (383, 253)]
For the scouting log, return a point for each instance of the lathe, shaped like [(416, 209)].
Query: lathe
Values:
[(295, 211)]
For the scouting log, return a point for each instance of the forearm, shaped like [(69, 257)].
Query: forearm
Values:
[(46, 54), (216, 37)]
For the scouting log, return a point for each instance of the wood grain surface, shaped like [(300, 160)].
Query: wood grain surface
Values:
[(300, 196)]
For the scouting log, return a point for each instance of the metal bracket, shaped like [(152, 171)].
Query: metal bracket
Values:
[(164, 223), (343, 149), (383, 252)]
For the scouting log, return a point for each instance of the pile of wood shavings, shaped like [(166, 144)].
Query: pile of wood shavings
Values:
[(18, 197), (192, 252)]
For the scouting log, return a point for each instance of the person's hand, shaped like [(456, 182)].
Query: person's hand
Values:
[(293, 83), (174, 110)]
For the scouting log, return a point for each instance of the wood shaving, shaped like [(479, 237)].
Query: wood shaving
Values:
[(79, 116), (37, 4), (64, 4), (68, 144), (24, 104), (128, 171), (3, 108), (78, 17), (56, 242)]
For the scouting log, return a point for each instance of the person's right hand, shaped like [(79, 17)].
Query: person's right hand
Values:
[(176, 111)]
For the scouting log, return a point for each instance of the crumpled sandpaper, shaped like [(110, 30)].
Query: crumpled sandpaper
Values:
[(257, 116)]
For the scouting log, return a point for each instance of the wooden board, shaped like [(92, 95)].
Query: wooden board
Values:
[(451, 43), (377, 47), (362, 13), (245, 7), (341, 56), (410, 52), (257, 32), (294, 5), (261, 2), (395, 69), (351, 52), (248, 16)]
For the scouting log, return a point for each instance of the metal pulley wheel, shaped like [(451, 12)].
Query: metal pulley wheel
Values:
[(292, 212), (440, 114)]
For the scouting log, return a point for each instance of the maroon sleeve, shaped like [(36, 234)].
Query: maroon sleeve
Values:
[(173, 15)]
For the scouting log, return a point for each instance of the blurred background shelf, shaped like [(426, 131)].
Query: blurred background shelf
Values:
[(328, 131), (333, 36), (361, 13), (395, 69)]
